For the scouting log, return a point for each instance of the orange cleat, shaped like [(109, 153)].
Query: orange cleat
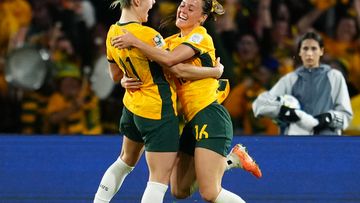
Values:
[(239, 158)]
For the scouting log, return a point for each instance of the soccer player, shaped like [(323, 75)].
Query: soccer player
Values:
[(207, 135), (149, 118)]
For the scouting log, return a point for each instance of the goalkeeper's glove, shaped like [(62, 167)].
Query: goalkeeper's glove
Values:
[(288, 115), (324, 122)]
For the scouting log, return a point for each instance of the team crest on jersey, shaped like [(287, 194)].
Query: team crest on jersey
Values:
[(159, 41), (196, 38)]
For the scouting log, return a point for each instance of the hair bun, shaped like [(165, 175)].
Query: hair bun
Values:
[(217, 8)]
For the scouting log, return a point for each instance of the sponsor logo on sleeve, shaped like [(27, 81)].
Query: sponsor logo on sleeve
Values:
[(196, 38), (159, 41)]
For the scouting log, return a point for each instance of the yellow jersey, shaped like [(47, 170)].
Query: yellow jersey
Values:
[(86, 120), (156, 92), (196, 95)]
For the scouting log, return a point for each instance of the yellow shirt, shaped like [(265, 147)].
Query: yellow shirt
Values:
[(155, 92), (14, 14), (196, 95), (86, 120), (354, 126), (33, 106)]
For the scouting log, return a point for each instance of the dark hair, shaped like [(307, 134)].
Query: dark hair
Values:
[(310, 35), (207, 7)]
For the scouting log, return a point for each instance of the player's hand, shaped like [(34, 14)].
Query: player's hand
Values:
[(307, 121), (324, 122), (124, 41), (131, 84), (288, 115), (220, 67)]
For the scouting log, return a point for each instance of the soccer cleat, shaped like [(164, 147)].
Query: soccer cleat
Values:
[(239, 158)]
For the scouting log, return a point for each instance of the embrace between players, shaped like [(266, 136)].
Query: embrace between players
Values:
[(154, 78)]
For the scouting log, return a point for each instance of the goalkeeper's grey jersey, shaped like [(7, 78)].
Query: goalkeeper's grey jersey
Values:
[(319, 90)]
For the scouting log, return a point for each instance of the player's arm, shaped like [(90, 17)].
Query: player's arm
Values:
[(191, 72), (115, 72), (163, 57), (170, 59)]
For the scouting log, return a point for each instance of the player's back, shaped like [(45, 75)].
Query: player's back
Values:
[(155, 91)]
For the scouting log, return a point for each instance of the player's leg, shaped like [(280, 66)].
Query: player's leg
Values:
[(210, 166), (161, 139), (115, 175), (183, 179), (213, 130), (131, 151), (160, 165)]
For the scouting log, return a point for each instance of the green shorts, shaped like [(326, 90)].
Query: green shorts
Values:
[(211, 128), (157, 135)]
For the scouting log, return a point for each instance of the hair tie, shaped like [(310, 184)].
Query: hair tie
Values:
[(217, 8)]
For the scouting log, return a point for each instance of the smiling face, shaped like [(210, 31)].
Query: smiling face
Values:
[(190, 15), (310, 53)]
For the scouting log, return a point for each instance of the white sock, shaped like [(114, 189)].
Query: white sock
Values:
[(154, 193), (228, 197), (112, 181)]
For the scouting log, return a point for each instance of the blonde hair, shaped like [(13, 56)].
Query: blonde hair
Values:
[(217, 8), (212, 8), (122, 3)]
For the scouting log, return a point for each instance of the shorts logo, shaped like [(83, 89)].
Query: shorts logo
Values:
[(159, 41), (196, 38)]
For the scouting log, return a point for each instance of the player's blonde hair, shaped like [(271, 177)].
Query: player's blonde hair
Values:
[(122, 3)]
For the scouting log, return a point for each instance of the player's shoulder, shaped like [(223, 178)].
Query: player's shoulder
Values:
[(151, 36), (146, 31), (111, 30), (199, 35), (200, 30)]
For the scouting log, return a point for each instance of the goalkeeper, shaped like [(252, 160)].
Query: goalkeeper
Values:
[(323, 100)]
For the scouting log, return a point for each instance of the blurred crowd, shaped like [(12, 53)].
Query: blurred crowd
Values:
[(256, 40)]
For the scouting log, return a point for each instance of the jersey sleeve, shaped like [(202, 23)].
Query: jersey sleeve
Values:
[(199, 40), (109, 48), (152, 37)]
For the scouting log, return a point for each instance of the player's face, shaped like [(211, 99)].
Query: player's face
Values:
[(310, 53), (145, 6), (189, 15)]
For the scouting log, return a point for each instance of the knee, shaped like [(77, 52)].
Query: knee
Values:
[(208, 194), (179, 194), (129, 159)]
